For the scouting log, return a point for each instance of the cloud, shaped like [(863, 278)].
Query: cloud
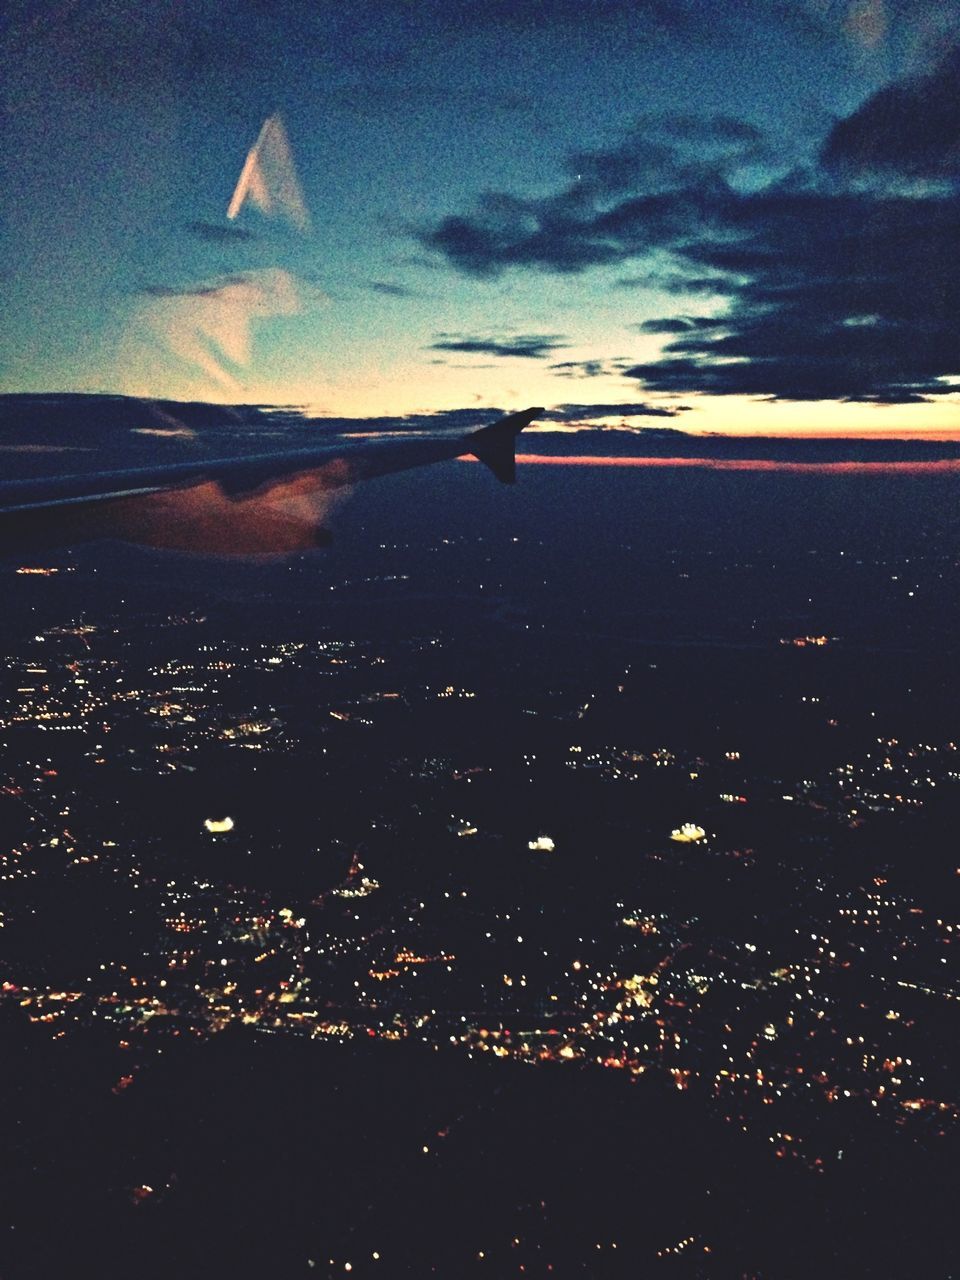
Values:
[(673, 282), (217, 233), (910, 128), (664, 324), (189, 291), (488, 243), (665, 152), (839, 279), (588, 412), (257, 429), (390, 290), (847, 296), (666, 177), (453, 420), (579, 228), (580, 369), (680, 324), (529, 346)]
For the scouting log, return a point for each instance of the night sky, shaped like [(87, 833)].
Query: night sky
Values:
[(745, 215)]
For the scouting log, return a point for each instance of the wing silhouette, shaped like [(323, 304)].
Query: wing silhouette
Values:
[(223, 501)]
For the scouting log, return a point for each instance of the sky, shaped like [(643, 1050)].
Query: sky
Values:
[(739, 217)]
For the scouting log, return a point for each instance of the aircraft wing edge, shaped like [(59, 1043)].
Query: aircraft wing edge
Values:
[(493, 445), (496, 445)]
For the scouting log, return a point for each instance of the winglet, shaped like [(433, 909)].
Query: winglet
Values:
[(495, 446)]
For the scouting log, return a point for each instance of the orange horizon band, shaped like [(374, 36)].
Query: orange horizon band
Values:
[(930, 466)]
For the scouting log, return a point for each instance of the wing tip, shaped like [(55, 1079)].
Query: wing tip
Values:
[(495, 446)]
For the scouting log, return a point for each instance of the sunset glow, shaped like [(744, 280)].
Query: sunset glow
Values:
[(922, 467)]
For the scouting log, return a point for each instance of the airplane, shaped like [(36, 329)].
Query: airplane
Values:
[(236, 502)]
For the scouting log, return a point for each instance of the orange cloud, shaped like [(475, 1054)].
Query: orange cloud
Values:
[(885, 467)]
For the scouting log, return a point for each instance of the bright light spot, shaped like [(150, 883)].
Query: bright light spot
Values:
[(688, 833), (542, 844), (217, 826)]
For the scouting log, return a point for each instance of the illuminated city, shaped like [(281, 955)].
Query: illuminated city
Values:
[(323, 828)]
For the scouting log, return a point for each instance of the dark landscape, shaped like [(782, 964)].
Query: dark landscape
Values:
[(459, 987)]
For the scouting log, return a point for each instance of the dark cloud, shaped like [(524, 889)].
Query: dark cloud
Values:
[(671, 282), (665, 152), (589, 412), (680, 324), (833, 287), (123, 431), (174, 291), (716, 130), (530, 346), (665, 178), (439, 420), (580, 369), (848, 296), (220, 233), (910, 128), (484, 247), (391, 290), (665, 324), (253, 280)]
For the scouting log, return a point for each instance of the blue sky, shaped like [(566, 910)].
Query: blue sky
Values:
[(509, 203)]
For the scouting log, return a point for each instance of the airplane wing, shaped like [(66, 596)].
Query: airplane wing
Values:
[(234, 498)]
